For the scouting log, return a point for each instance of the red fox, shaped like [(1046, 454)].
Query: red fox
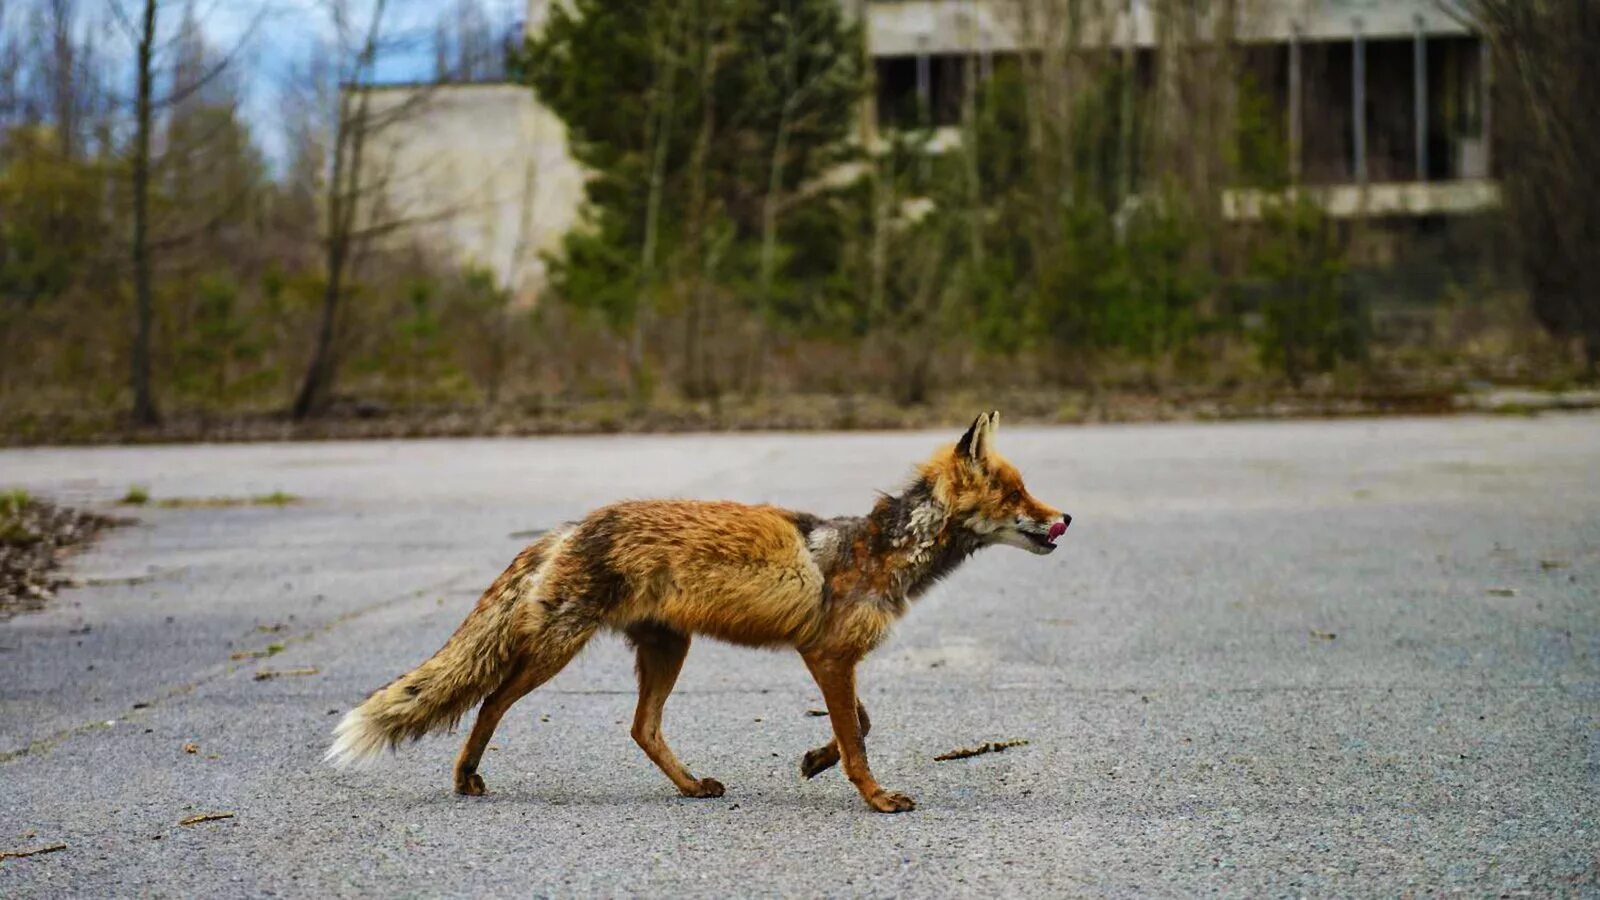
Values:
[(660, 571)]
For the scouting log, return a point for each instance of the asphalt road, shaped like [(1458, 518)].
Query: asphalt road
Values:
[(1325, 658)]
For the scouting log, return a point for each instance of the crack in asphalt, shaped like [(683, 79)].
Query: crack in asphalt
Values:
[(223, 670)]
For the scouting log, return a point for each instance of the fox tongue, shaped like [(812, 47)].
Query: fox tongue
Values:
[(1057, 530)]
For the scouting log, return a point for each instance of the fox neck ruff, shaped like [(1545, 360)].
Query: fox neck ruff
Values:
[(899, 550)]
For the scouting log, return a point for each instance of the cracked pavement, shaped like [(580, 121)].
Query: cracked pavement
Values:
[(1345, 657)]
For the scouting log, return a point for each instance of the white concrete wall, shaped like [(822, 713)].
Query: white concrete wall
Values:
[(486, 171)]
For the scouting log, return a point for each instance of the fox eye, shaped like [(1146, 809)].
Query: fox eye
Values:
[(1014, 497)]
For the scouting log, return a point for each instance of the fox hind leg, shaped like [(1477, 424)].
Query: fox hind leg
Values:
[(821, 759), (660, 652), (534, 668)]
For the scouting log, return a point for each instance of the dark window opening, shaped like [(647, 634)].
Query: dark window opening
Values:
[(1456, 145), (1453, 108), (1327, 154), (922, 91)]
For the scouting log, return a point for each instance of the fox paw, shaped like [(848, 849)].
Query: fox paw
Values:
[(891, 802), (470, 786), (705, 787), (818, 761)]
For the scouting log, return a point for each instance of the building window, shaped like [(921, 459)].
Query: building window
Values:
[(903, 81)]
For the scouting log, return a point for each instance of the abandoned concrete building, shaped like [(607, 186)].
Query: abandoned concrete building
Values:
[(1384, 104)]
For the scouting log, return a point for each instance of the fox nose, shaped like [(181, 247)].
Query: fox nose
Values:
[(1066, 520)]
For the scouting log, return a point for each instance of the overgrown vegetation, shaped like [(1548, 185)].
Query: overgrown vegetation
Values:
[(138, 495), (750, 234)]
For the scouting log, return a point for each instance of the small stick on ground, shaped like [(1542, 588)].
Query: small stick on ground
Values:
[(205, 817), (990, 747), (18, 854)]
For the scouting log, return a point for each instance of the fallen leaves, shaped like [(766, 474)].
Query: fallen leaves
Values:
[(1502, 592), (1323, 635), (32, 851), (205, 817), (35, 536), (988, 747), (816, 712), (267, 674), (191, 748)]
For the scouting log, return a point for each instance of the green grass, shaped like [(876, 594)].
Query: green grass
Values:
[(276, 498), (269, 650), (12, 529), (138, 495), (1518, 410)]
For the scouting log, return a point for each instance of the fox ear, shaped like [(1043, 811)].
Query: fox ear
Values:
[(979, 439)]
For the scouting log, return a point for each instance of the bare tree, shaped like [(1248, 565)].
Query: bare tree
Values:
[(8, 69), (343, 198), (356, 188), (12, 57), (1545, 66), (144, 404), (661, 116), (464, 45), (145, 32), (794, 88), (708, 49), (48, 70), (61, 15)]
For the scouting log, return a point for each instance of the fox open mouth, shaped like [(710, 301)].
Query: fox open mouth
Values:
[(1047, 541), (1043, 542)]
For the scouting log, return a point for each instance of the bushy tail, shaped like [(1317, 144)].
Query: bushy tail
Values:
[(435, 694)]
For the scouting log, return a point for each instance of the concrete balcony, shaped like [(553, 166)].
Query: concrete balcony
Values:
[(1387, 200)]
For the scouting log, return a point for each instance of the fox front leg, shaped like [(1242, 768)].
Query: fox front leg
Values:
[(837, 678)]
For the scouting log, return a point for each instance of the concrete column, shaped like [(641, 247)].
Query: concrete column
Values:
[(980, 34), (1358, 101), (1419, 64), (868, 113), (1296, 105), (924, 83), (1486, 84)]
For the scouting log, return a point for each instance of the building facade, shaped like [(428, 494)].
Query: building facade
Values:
[(1384, 105)]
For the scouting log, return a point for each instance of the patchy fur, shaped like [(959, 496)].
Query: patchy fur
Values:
[(661, 571)]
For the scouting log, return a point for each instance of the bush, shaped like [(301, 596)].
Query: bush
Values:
[(1309, 322)]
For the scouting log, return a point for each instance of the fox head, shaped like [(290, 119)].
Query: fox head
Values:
[(984, 492)]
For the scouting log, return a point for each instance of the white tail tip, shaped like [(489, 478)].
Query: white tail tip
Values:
[(356, 740)]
